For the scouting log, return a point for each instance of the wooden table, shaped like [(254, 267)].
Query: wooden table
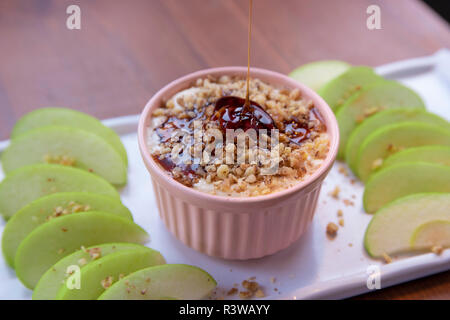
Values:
[(127, 50)]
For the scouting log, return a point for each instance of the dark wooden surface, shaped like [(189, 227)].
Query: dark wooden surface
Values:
[(127, 50)]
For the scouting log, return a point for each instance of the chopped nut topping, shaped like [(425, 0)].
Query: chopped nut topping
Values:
[(232, 291), (304, 142), (95, 253), (348, 202), (245, 294), (335, 192), (437, 250), (107, 282), (341, 222), (273, 279), (343, 170), (340, 213), (332, 230), (260, 293), (72, 207), (250, 285), (62, 160), (377, 163), (387, 258)]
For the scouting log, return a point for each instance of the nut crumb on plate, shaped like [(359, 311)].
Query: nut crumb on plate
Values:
[(332, 230), (245, 294), (335, 192), (387, 258), (260, 293), (437, 250), (232, 291)]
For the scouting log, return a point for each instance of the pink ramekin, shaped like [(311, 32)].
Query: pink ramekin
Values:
[(230, 227)]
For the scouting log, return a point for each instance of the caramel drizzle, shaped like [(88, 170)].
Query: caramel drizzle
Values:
[(247, 96)]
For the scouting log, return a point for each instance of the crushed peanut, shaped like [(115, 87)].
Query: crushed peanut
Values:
[(95, 253), (107, 282), (260, 293), (332, 230), (335, 192), (387, 258), (295, 161), (343, 170), (232, 291), (437, 250), (348, 202), (62, 160), (250, 285), (72, 207), (245, 294), (377, 163)]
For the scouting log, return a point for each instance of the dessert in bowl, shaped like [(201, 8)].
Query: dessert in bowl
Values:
[(232, 198)]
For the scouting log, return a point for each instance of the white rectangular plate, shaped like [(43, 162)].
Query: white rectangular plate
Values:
[(313, 267)]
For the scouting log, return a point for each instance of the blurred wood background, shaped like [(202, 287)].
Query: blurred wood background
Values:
[(127, 50)]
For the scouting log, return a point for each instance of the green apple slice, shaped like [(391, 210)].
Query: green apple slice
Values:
[(51, 281), (53, 240), (390, 139), (374, 98), (59, 204), (29, 183), (318, 73), (404, 179), (98, 275), (433, 233), (68, 118), (433, 154), (382, 119), (178, 281), (392, 227), (65, 145), (341, 88)]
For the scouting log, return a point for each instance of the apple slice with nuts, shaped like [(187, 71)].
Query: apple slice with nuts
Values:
[(409, 220), (177, 281)]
